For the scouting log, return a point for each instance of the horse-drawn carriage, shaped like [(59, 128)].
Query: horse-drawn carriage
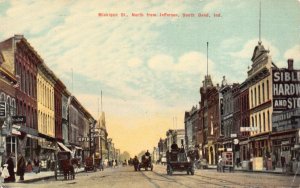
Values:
[(177, 161), (145, 163), (63, 166), (99, 164), (89, 164)]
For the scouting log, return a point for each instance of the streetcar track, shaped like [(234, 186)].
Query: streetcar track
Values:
[(150, 180), (187, 176), (222, 180), (206, 182), (170, 179)]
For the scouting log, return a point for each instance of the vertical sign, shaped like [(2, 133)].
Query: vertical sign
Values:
[(2, 109)]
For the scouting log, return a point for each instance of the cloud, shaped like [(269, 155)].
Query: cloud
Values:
[(134, 62), (293, 53), (247, 51), (161, 62), (212, 5), (189, 63), (194, 62)]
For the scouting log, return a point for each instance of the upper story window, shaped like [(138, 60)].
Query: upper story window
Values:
[(259, 102), (2, 97), (268, 97), (263, 92)]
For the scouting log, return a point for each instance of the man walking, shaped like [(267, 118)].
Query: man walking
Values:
[(21, 167)]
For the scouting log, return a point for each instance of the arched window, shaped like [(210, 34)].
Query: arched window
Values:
[(2, 97), (8, 105), (13, 107)]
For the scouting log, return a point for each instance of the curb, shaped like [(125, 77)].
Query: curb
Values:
[(251, 171), (37, 179), (42, 178)]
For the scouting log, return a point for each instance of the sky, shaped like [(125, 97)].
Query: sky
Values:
[(150, 69)]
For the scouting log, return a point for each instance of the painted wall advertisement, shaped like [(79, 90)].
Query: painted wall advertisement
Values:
[(286, 89)]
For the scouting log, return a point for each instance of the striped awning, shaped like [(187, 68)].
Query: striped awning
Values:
[(63, 147)]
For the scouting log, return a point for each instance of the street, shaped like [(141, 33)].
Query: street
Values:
[(127, 177)]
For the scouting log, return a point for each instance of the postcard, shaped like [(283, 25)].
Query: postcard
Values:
[(150, 93)]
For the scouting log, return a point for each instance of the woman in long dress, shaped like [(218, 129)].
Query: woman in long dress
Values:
[(10, 168)]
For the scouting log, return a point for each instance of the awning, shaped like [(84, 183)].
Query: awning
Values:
[(48, 148), (78, 148), (244, 142), (48, 138), (15, 132), (32, 136), (63, 147)]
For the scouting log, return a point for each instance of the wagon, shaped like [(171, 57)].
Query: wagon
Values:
[(89, 164), (99, 163), (177, 161), (63, 166), (146, 163)]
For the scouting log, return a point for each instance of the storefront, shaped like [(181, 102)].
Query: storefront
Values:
[(244, 150), (46, 151), (282, 145)]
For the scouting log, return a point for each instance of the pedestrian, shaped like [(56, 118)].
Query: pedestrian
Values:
[(21, 167), (10, 168), (29, 166), (282, 162), (36, 163), (273, 158), (220, 164)]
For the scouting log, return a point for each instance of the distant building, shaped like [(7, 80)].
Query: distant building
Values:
[(210, 119), (191, 124)]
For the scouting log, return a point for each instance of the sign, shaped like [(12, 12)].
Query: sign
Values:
[(18, 119), (248, 129), (286, 89), (285, 142), (15, 132), (235, 141), (2, 109), (233, 135), (227, 158), (284, 120), (85, 139), (228, 149), (16, 126)]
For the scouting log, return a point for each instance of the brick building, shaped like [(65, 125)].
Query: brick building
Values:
[(23, 61)]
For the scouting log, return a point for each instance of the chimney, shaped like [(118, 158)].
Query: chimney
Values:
[(290, 64)]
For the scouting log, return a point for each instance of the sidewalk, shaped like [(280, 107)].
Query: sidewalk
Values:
[(43, 175), (276, 171)]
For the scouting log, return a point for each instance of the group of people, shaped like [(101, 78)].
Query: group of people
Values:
[(112, 163), (8, 166)]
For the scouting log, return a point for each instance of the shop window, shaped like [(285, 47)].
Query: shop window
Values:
[(2, 97), (10, 144)]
